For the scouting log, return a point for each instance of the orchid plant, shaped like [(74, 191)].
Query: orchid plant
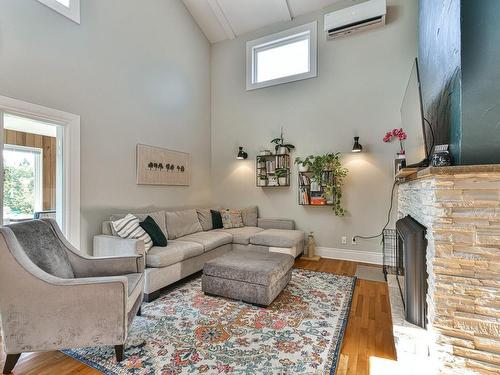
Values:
[(398, 134)]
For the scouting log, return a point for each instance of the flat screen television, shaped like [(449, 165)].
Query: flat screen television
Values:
[(412, 112)]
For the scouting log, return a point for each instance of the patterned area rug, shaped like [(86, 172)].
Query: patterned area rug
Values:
[(186, 332)]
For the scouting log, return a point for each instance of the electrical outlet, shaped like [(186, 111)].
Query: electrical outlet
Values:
[(353, 241), (344, 240)]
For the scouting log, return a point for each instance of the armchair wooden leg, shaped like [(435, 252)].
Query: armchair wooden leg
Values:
[(119, 353), (139, 312), (10, 363)]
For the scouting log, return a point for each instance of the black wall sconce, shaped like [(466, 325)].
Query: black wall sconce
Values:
[(357, 147), (242, 155)]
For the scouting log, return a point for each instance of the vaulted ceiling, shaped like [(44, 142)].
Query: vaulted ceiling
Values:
[(227, 19)]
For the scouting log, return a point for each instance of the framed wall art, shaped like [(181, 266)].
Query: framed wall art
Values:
[(160, 166)]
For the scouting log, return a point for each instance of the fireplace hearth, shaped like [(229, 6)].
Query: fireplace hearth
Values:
[(412, 246)]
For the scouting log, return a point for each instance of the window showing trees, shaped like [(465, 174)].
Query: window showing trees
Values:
[(22, 181)]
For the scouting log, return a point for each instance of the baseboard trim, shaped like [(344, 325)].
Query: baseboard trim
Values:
[(351, 255)]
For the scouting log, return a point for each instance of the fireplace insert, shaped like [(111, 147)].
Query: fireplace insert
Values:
[(412, 247)]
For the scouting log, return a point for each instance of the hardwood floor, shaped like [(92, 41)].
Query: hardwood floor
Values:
[(368, 333)]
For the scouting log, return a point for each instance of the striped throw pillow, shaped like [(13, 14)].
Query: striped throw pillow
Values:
[(129, 227)]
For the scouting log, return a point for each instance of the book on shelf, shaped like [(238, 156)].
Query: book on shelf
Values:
[(303, 196)]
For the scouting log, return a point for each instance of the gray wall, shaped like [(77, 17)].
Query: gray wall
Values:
[(480, 81), (134, 73), (459, 51), (358, 91), (439, 58)]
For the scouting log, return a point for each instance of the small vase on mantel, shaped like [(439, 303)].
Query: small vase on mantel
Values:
[(399, 162)]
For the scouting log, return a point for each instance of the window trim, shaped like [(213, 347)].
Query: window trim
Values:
[(277, 40), (69, 197), (38, 185), (72, 12)]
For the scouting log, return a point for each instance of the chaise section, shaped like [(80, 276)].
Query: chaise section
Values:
[(174, 252), (280, 240), (209, 240), (241, 235)]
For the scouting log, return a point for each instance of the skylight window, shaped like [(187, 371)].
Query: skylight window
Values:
[(283, 57), (66, 3), (68, 8)]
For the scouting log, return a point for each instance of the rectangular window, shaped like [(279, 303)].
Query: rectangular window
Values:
[(68, 8), (23, 180), (287, 56)]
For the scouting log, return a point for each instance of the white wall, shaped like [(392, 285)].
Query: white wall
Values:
[(358, 91), (135, 73)]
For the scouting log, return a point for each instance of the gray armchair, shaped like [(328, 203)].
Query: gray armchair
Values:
[(52, 297)]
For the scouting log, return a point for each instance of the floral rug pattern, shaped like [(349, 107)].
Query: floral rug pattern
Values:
[(186, 332)]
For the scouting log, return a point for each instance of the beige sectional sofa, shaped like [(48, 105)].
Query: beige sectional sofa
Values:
[(192, 242)]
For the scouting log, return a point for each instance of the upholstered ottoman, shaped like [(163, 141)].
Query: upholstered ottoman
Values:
[(250, 276)]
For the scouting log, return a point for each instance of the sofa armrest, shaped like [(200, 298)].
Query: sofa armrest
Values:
[(268, 223), (105, 246), (107, 266)]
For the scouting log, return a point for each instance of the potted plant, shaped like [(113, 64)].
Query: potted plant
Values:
[(261, 162), (262, 180), (304, 164), (282, 174), (280, 146)]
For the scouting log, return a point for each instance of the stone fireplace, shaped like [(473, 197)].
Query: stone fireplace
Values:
[(460, 207)]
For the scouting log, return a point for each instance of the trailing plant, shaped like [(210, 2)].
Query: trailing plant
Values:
[(280, 142), (319, 167)]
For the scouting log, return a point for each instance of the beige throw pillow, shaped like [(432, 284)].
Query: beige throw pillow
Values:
[(231, 219), (249, 216), (129, 227)]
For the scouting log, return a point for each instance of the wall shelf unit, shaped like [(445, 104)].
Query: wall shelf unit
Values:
[(272, 170), (312, 193)]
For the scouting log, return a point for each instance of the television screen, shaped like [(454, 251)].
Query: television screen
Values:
[(412, 119)]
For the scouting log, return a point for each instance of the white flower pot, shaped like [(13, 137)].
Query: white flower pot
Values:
[(282, 151), (282, 181)]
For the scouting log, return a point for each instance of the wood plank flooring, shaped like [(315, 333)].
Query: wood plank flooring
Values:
[(368, 333)]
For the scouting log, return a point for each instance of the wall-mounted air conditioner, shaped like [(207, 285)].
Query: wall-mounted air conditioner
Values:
[(361, 16)]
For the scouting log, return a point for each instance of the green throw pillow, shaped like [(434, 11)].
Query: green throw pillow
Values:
[(154, 231), (216, 219)]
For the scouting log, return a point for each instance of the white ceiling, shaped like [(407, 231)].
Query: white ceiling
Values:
[(227, 19)]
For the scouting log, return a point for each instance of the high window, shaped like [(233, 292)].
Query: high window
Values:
[(287, 56), (68, 8)]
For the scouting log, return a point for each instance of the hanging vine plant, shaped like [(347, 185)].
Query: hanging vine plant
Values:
[(318, 165)]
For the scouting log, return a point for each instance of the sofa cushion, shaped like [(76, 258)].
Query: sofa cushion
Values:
[(154, 231), (250, 266), (39, 242), (174, 252), (216, 219), (210, 240), (249, 216), (158, 217), (242, 235), (278, 238), (129, 227), (231, 218), (205, 218), (182, 223)]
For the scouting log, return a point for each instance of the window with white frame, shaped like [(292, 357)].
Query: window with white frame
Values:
[(288, 56), (68, 8)]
